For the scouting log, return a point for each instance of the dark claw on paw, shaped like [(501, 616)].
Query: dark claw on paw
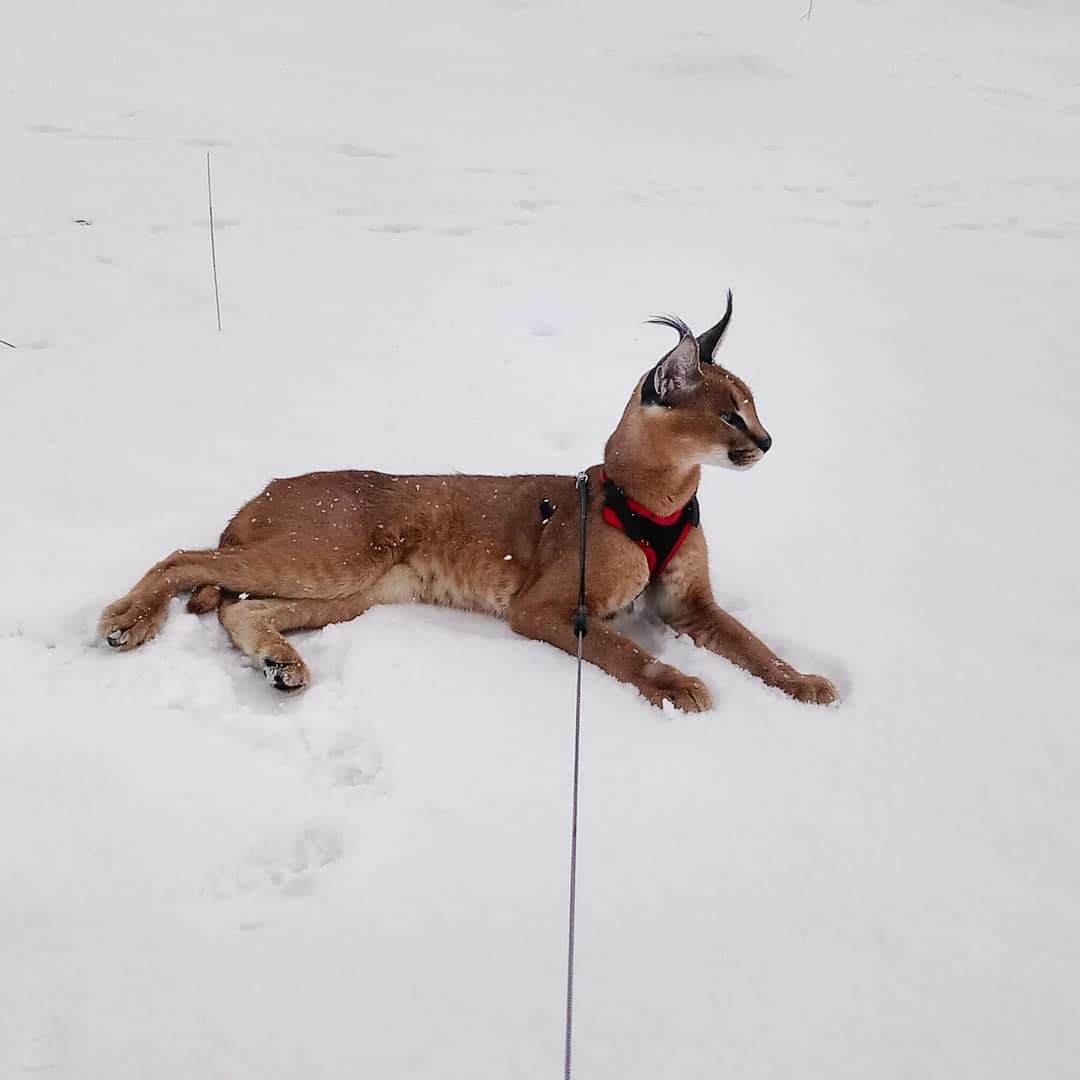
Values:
[(116, 638), (275, 674)]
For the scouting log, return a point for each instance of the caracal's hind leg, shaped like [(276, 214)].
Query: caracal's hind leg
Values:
[(256, 627), (205, 598), (137, 617)]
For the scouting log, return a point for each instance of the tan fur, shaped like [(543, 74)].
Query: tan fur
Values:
[(324, 547)]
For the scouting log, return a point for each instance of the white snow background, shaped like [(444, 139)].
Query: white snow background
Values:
[(440, 226)]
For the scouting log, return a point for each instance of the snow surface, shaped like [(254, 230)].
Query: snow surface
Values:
[(439, 229)]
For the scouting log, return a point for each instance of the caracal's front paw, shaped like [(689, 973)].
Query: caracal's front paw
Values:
[(284, 670), (129, 623), (663, 683), (813, 689)]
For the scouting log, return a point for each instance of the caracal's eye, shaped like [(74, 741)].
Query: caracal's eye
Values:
[(733, 419)]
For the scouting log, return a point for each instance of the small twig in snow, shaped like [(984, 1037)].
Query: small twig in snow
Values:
[(7, 343), (213, 249), (809, 11)]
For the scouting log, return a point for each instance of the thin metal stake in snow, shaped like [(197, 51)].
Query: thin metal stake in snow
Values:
[(580, 630), (213, 249)]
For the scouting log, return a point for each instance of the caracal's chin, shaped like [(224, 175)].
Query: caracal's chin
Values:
[(732, 459)]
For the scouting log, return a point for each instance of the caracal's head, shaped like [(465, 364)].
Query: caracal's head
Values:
[(707, 414)]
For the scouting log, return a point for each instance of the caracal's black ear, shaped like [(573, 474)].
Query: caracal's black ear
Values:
[(709, 342), (679, 373)]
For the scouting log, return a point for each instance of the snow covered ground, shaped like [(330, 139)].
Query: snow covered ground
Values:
[(439, 229)]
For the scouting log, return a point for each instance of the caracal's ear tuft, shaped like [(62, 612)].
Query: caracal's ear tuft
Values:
[(678, 373), (709, 342)]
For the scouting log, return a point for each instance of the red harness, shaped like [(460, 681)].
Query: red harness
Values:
[(658, 537)]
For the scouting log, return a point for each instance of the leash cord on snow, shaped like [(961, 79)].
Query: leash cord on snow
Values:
[(580, 630)]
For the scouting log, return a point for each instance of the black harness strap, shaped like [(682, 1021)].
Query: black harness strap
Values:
[(658, 537)]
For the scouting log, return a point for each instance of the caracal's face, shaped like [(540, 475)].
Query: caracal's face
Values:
[(735, 437), (712, 419)]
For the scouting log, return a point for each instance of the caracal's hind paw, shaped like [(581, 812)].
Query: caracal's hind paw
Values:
[(129, 623), (289, 674), (204, 599)]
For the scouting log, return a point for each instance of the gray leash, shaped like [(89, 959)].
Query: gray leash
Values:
[(580, 630)]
